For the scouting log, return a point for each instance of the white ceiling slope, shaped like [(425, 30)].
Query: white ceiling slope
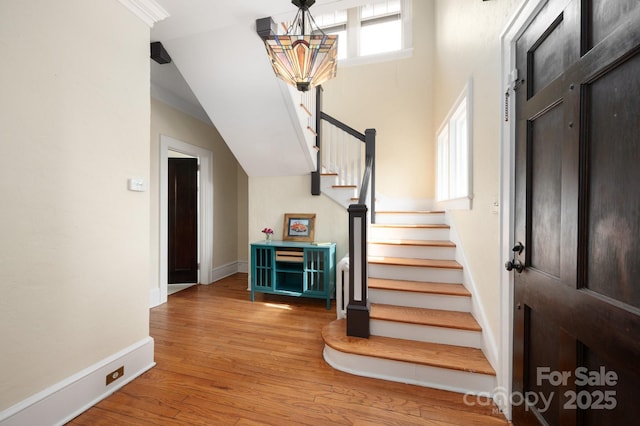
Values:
[(215, 47)]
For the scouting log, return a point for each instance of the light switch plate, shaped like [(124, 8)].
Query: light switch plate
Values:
[(137, 184)]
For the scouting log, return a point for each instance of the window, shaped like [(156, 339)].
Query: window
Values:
[(380, 27), (335, 24), (453, 158), (377, 28)]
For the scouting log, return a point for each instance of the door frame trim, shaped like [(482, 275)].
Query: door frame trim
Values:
[(205, 213), (514, 28)]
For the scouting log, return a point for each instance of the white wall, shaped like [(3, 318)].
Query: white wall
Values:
[(74, 242)]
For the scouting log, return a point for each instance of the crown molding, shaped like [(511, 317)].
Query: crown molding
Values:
[(148, 10)]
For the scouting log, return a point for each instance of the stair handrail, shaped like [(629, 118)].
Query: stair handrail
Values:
[(358, 304), (344, 127)]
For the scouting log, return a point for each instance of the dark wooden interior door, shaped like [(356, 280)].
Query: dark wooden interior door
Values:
[(576, 348), (183, 220)]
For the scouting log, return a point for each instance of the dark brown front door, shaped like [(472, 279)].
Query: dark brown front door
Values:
[(183, 220), (576, 353)]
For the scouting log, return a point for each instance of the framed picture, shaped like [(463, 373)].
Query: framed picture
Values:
[(299, 226)]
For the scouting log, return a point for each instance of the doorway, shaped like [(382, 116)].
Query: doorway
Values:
[(183, 211), (575, 226), (204, 158)]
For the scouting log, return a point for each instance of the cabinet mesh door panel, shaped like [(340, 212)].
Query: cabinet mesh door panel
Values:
[(315, 270), (263, 270)]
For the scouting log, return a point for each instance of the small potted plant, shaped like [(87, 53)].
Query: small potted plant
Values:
[(268, 233)]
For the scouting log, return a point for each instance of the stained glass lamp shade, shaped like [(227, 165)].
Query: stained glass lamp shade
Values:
[(306, 59)]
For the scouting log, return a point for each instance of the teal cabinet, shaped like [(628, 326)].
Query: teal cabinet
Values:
[(294, 269)]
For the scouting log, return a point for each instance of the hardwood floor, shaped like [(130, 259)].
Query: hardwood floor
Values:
[(223, 360)]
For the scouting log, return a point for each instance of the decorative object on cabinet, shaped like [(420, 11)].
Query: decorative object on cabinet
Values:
[(294, 269), (268, 234), (299, 227)]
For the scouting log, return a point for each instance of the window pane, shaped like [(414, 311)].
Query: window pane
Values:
[(442, 191), (459, 155), (331, 19), (335, 23), (380, 37), (380, 8), (454, 150)]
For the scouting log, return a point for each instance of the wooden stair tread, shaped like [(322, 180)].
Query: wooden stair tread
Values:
[(344, 186), (423, 316), (459, 358), (422, 243), (405, 261), (410, 226), (419, 287)]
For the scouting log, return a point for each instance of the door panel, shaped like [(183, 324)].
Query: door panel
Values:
[(546, 58), (604, 18), (577, 213), (183, 220), (545, 157), (614, 226)]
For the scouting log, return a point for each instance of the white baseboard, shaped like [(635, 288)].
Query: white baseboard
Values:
[(243, 267), (490, 346), (229, 269), (67, 399)]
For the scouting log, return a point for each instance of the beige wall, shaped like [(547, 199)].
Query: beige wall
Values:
[(395, 98), (271, 197), (74, 126), (406, 101), (229, 183), (468, 46)]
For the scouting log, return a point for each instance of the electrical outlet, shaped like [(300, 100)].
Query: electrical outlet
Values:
[(115, 375)]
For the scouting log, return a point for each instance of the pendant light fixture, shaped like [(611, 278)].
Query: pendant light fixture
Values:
[(305, 56)]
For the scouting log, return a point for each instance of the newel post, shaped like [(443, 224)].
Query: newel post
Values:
[(315, 175), (358, 307)]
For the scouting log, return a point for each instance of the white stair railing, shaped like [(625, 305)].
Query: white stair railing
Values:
[(342, 154)]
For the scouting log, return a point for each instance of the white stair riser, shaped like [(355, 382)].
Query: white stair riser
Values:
[(416, 374), (415, 273), (413, 252), (382, 233), (410, 219), (443, 302), (425, 333), (342, 196)]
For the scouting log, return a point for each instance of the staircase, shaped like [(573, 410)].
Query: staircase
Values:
[(422, 331)]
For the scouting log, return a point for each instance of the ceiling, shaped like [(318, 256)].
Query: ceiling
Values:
[(220, 72)]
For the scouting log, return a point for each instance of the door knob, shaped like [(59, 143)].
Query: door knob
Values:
[(515, 263)]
